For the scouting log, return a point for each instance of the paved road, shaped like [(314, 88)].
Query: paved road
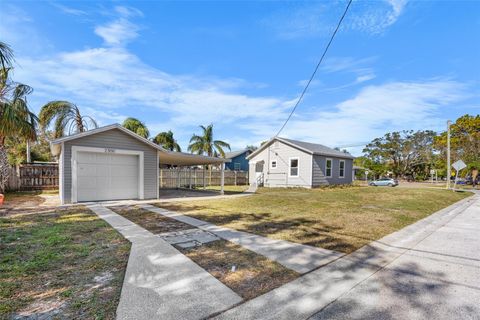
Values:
[(438, 278), (428, 270)]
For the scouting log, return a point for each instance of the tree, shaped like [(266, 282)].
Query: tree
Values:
[(166, 140), (205, 144), (17, 150), (137, 127), (251, 147), (464, 140), (16, 119), (404, 153), (66, 118)]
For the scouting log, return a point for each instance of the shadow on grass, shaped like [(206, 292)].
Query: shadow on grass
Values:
[(310, 232)]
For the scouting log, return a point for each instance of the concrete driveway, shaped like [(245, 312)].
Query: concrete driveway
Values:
[(428, 270)]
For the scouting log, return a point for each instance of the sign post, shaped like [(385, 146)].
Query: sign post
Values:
[(458, 165), (366, 176)]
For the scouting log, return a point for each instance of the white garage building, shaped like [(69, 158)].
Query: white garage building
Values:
[(113, 163)]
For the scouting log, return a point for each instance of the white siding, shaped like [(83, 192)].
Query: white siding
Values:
[(279, 176)]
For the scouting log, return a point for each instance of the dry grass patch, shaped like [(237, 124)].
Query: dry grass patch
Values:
[(65, 263), (341, 219), (153, 222), (254, 274)]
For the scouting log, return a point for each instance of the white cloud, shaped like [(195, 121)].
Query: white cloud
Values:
[(378, 109), (120, 31), (69, 10), (319, 19), (377, 19)]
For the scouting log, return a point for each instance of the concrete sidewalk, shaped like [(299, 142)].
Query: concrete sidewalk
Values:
[(297, 257), (160, 282), (428, 270)]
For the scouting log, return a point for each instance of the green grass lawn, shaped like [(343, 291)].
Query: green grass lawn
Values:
[(342, 219), (65, 263)]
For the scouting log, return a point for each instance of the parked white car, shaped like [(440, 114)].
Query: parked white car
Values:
[(386, 182)]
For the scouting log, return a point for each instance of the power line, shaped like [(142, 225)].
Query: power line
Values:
[(316, 68)]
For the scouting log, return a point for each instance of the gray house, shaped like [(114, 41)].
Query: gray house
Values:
[(289, 163), (113, 163)]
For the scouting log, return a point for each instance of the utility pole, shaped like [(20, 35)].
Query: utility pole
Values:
[(449, 174)]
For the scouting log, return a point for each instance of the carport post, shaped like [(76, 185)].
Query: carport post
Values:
[(222, 178)]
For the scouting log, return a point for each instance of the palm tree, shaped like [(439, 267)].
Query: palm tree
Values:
[(204, 144), (166, 140), (136, 126), (16, 120), (66, 118)]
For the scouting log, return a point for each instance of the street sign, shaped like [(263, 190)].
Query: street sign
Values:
[(459, 165)]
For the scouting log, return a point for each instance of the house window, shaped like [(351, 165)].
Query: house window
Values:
[(328, 168), (294, 167), (341, 169), (273, 164), (236, 166)]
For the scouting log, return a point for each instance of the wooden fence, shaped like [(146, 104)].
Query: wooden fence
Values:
[(191, 178), (33, 177)]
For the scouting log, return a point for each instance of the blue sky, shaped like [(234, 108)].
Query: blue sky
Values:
[(395, 64)]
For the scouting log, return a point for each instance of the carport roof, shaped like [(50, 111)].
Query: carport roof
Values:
[(165, 156), (188, 159)]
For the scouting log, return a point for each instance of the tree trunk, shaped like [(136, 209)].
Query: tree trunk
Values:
[(4, 168)]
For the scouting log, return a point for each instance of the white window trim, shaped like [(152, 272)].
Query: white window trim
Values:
[(271, 164), (290, 167), (76, 149), (331, 168), (339, 169)]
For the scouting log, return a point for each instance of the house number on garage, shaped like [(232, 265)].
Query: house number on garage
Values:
[(108, 150)]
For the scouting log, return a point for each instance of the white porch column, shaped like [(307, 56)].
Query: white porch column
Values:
[(222, 178)]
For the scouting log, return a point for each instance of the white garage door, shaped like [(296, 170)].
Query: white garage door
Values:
[(106, 176)]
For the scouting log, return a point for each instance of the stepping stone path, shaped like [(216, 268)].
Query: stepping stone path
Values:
[(188, 238), (298, 257)]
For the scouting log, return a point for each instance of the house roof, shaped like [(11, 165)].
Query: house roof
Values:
[(167, 157), (233, 154), (311, 148)]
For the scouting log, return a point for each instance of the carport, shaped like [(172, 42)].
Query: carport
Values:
[(187, 161), (113, 163)]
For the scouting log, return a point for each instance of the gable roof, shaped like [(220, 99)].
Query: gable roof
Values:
[(233, 154), (107, 128), (311, 148)]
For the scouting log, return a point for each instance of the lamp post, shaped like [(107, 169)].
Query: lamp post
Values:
[(448, 154)]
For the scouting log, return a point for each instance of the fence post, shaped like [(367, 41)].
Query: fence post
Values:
[(190, 177), (161, 178), (222, 178), (204, 187), (235, 177)]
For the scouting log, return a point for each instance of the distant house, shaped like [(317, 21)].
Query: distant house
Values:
[(238, 160), (289, 163)]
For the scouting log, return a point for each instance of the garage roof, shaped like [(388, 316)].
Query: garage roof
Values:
[(166, 156)]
